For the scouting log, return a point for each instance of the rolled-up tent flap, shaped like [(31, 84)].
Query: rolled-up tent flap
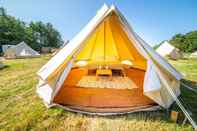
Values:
[(62, 78), (152, 84), (151, 79), (45, 92)]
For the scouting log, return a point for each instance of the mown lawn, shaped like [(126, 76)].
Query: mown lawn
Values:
[(22, 109)]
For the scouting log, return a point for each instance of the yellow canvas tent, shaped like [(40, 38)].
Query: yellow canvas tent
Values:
[(107, 68)]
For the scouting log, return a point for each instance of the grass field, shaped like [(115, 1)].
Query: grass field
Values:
[(22, 109)]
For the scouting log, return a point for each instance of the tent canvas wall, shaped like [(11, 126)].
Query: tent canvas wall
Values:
[(108, 42), (166, 49), (193, 55), (22, 50), (6, 47)]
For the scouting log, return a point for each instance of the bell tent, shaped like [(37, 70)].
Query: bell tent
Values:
[(108, 69), (193, 55), (6, 47), (166, 49), (22, 50)]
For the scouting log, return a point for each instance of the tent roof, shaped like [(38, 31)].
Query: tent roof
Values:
[(21, 48), (165, 48), (58, 62)]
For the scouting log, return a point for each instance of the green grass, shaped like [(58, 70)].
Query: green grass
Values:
[(22, 109), (188, 67)]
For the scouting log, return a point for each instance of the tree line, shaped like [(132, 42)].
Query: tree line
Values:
[(35, 34), (185, 42)]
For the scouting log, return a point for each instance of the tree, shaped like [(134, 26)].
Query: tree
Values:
[(11, 30), (54, 38), (186, 43), (192, 38), (2, 11), (44, 35), (35, 34)]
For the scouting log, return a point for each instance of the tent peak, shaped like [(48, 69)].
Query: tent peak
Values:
[(22, 43), (104, 7), (113, 7)]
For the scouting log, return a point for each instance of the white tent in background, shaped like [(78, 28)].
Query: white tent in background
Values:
[(108, 40), (6, 47), (166, 49), (22, 50), (193, 55)]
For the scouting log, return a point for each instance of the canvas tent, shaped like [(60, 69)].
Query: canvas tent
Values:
[(108, 68), (166, 49), (22, 50), (6, 47), (193, 55)]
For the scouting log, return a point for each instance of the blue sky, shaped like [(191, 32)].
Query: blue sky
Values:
[(153, 20)]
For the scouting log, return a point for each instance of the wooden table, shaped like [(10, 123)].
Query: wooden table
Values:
[(104, 72)]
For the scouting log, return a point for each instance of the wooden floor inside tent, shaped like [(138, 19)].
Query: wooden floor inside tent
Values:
[(102, 99)]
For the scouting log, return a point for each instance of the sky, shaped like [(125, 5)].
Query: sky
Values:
[(153, 20)]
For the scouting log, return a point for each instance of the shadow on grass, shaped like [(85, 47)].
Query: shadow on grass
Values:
[(190, 83), (188, 98), (4, 67)]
